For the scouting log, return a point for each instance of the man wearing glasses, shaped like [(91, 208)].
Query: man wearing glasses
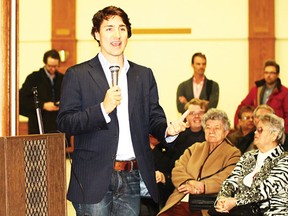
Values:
[(268, 91), (48, 81), (245, 124)]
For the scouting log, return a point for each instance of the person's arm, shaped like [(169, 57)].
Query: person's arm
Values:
[(183, 181), (285, 110), (230, 185), (157, 115), (26, 98), (181, 99), (74, 117), (214, 96), (179, 173)]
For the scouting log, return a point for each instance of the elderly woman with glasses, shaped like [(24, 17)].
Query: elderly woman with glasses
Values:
[(203, 166), (261, 176)]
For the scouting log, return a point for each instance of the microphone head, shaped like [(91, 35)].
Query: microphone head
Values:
[(114, 73), (114, 68)]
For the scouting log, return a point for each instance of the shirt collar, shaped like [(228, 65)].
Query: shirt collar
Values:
[(49, 75), (201, 82), (106, 64)]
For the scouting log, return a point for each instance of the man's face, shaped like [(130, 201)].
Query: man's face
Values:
[(246, 121), (195, 117), (199, 65), (270, 75), (52, 65), (113, 37)]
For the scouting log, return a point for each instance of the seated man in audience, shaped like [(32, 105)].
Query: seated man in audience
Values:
[(245, 143), (245, 124)]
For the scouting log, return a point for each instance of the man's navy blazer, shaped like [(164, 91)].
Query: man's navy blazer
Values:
[(83, 89)]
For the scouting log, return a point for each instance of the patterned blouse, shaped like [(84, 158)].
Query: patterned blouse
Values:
[(269, 186)]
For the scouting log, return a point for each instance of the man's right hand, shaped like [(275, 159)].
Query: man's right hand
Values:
[(112, 99), (50, 106)]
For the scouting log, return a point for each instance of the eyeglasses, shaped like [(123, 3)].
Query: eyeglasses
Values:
[(195, 113), (247, 118)]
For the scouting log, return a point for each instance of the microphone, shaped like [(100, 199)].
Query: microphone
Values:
[(114, 73)]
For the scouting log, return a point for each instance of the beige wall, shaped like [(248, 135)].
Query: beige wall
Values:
[(281, 33), (219, 29), (34, 36)]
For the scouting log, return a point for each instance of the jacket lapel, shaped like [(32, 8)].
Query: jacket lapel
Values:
[(97, 73)]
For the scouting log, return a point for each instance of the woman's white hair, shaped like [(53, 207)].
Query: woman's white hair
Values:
[(275, 123)]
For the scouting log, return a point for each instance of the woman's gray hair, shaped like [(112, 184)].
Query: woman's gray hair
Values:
[(275, 123), (263, 106), (216, 114)]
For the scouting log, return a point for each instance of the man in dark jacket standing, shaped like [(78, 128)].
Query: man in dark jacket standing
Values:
[(111, 123), (198, 86), (48, 81)]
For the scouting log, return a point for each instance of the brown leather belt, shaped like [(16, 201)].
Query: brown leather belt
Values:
[(126, 165)]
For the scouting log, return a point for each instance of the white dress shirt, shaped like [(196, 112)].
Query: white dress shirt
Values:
[(125, 149)]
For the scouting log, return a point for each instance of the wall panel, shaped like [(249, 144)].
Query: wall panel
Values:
[(261, 37)]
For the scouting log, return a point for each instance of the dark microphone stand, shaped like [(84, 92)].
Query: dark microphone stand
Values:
[(38, 110)]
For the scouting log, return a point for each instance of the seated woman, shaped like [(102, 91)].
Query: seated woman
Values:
[(216, 157), (261, 175)]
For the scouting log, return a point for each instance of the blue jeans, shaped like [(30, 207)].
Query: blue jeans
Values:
[(122, 198)]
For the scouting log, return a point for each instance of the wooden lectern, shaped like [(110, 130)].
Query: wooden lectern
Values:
[(33, 175)]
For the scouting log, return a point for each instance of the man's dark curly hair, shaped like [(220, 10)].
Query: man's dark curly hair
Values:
[(106, 14)]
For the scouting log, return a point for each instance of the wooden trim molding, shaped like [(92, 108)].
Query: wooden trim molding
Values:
[(64, 30), (5, 65), (261, 37), (162, 31)]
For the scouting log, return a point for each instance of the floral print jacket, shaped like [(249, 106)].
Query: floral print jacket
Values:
[(269, 186)]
